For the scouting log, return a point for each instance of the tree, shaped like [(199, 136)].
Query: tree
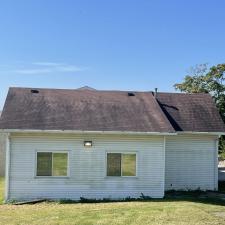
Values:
[(203, 80)]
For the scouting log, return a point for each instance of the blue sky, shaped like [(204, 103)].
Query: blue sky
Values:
[(107, 44)]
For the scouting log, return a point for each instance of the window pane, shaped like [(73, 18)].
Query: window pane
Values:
[(129, 165), (60, 164), (113, 164), (44, 164)]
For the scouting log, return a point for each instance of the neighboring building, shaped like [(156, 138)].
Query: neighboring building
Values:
[(2, 153), (67, 144)]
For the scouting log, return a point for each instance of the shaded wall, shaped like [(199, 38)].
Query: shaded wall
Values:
[(191, 162), (2, 154)]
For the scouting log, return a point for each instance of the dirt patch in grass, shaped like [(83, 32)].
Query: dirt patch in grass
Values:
[(219, 214)]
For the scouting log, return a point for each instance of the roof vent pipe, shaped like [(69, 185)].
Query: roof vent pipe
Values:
[(34, 91), (130, 94), (155, 93)]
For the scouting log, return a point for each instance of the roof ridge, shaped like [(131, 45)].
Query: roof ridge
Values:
[(88, 88), (77, 89), (182, 93)]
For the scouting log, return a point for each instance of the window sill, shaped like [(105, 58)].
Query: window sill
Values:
[(121, 177), (51, 177)]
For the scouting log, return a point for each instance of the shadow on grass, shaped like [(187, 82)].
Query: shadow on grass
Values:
[(204, 198), (221, 186), (213, 198), (208, 197)]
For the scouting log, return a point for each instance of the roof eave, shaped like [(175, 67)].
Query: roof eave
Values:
[(201, 132), (84, 132)]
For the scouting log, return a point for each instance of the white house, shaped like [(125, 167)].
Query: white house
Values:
[(67, 144)]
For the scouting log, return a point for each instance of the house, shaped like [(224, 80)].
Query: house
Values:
[(67, 144), (2, 153)]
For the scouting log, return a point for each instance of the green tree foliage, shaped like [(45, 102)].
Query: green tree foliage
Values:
[(200, 79)]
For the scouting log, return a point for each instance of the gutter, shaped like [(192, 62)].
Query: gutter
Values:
[(108, 132), (84, 132), (203, 133)]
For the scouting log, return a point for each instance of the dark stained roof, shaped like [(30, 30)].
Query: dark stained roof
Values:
[(86, 110), (191, 112)]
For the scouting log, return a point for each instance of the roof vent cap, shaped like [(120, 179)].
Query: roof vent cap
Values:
[(34, 91), (130, 94)]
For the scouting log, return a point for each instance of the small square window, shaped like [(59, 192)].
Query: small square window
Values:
[(52, 164), (121, 164)]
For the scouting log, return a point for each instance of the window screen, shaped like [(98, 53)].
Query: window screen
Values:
[(121, 164), (113, 164), (59, 164), (128, 165), (44, 164), (52, 164)]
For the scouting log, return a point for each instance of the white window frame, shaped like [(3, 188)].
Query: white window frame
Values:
[(122, 153), (53, 151)]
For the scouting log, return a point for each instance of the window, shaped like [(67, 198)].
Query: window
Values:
[(52, 164), (121, 164)]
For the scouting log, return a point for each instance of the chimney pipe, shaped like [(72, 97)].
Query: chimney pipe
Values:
[(155, 93)]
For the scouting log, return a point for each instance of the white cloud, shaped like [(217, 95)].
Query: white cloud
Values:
[(46, 67), (69, 68), (47, 64), (32, 71)]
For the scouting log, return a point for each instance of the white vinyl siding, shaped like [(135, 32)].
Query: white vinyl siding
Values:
[(191, 162), (2, 153), (87, 168)]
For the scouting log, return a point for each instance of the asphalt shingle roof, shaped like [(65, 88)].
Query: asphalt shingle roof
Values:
[(93, 110), (191, 112), (83, 109)]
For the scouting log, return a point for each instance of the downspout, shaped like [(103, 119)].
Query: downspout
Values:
[(164, 169), (7, 167), (216, 164)]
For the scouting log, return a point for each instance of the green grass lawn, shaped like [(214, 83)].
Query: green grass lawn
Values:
[(166, 211)]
